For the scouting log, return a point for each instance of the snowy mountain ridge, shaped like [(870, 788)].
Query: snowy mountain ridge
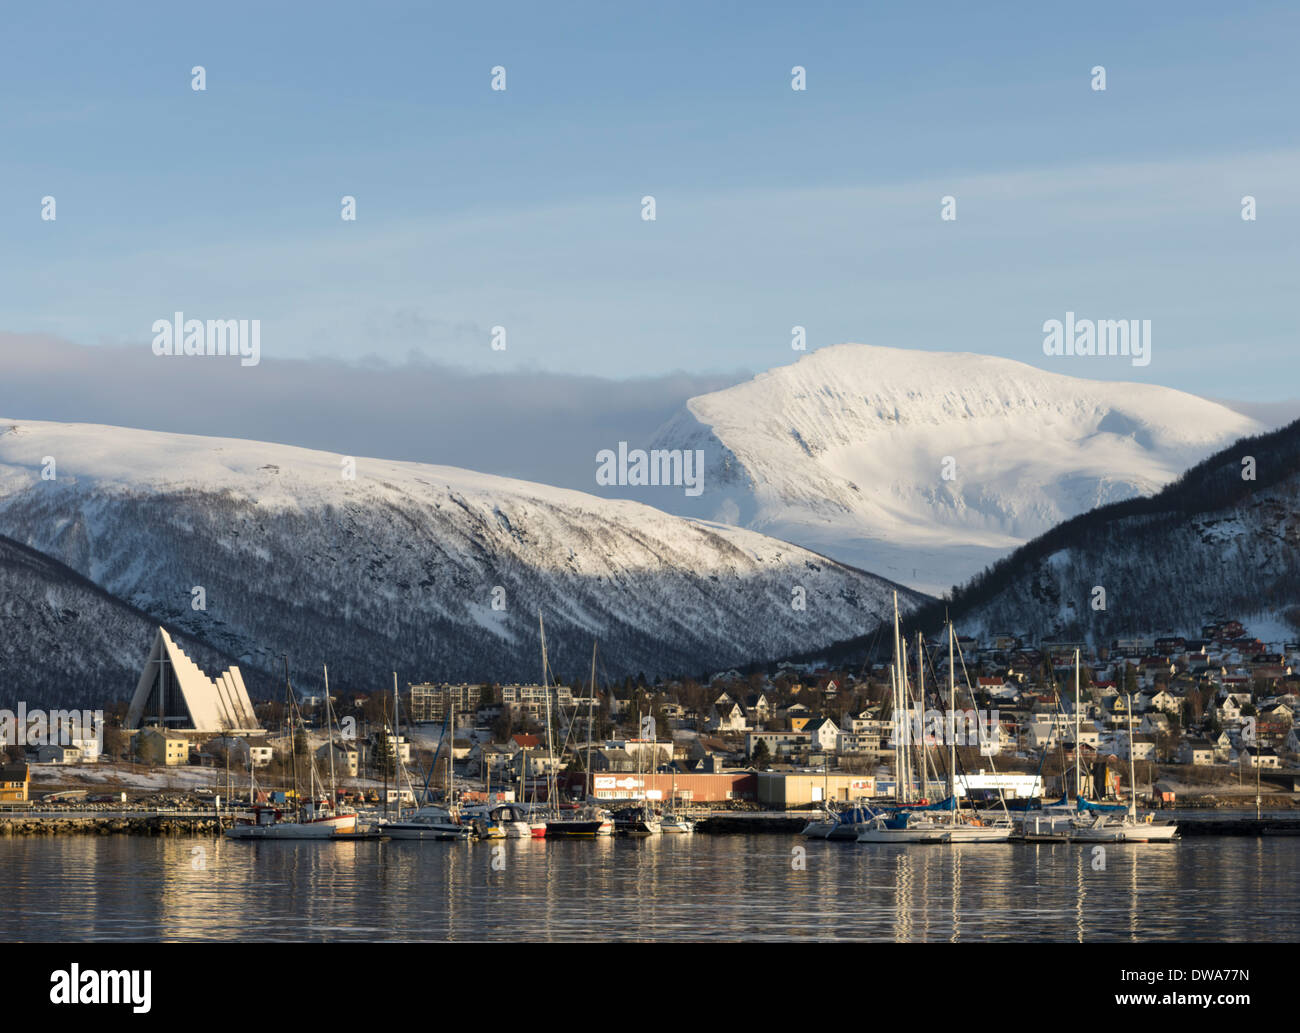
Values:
[(926, 466), (435, 571)]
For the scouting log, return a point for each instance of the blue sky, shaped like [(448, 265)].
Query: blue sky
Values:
[(775, 207)]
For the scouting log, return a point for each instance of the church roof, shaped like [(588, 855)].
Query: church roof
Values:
[(191, 701)]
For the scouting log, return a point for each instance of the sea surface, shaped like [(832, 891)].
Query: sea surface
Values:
[(700, 887)]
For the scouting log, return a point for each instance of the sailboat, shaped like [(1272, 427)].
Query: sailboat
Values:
[(638, 819), (827, 821), (906, 824), (437, 823), (576, 822), (672, 821), (1129, 829), (1072, 819), (941, 822), (963, 828), (318, 818)]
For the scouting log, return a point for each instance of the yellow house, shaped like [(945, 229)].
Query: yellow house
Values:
[(154, 747), (798, 724), (13, 783)]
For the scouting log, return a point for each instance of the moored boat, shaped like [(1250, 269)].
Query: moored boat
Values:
[(430, 822), (269, 823)]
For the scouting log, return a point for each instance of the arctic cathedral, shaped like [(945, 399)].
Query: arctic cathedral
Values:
[(174, 694)]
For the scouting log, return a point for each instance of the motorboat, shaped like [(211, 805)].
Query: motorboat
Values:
[(637, 821), (584, 822), (512, 820), (430, 822)]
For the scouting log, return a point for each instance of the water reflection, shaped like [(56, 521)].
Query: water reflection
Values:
[(658, 888)]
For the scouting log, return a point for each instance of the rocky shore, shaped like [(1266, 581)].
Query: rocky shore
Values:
[(144, 825)]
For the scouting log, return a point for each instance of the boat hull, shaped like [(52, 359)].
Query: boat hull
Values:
[(977, 834), (874, 835), (423, 833), (325, 828), (584, 828)]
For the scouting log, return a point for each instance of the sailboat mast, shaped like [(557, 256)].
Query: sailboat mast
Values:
[(329, 738), (397, 735), (898, 734), (590, 704), (923, 754), (901, 773), (1132, 777), (293, 746), (1078, 780), (952, 720), (546, 693)]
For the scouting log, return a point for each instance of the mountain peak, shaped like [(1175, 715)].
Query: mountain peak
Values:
[(926, 466)]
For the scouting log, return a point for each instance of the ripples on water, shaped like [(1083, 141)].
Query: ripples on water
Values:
[(660, 888)]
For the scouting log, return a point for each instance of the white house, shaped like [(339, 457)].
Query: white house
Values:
[(824, 732), (1261, 757), (727, 717), (1195, 752)]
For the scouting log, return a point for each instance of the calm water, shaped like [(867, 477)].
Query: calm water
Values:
[(670, 887)]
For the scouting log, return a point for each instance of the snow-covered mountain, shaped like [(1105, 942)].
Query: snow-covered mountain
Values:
[(1223, 541), (66, 642), (399, 566), (925, 467)]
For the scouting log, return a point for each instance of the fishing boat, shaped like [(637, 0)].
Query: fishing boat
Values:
[(266, 822), (1043, 827)]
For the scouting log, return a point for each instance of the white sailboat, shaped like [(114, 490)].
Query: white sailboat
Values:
[(1132, 829), (319, 818), (962, 829), (903, 826), (672, 821)]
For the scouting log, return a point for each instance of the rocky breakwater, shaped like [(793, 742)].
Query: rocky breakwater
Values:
[(104, 825)]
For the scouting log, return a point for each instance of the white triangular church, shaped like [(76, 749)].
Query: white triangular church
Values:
[(174, 693)]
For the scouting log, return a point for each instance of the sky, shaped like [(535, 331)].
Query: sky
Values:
[(522, 208)]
